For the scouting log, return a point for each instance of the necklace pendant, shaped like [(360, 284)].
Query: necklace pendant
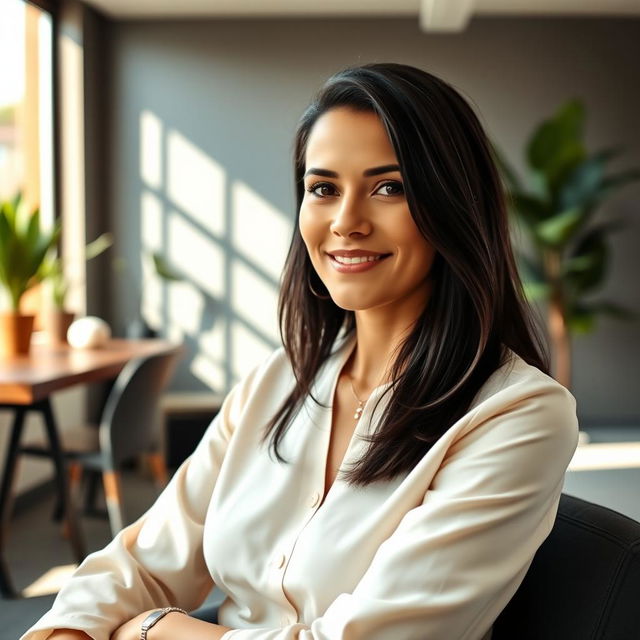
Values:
[(358, 412)]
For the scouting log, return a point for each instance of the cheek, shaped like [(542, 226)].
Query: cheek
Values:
[(418, 251), (309, 230)]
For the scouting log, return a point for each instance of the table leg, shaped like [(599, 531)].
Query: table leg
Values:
[(7, 590), (69, 508)]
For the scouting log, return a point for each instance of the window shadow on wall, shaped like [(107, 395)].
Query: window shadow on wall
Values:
[(224, 238)]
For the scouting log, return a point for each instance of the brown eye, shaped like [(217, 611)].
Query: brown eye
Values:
[(393, 188), (321, 189)]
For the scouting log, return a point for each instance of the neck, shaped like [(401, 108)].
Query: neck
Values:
[(379, 334)]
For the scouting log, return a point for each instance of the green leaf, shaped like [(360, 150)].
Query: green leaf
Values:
[(539, 185), (586, 268), (581, 320), (556, 145), (530, 208), (558, 230), (582, 184), (51, 267), (23, 247), (163, 269), (11, 208), (534, 290), (533, 281), (15, 202), (23, 218), (33, 229), (98, 246), (5, 241), (60, 288)]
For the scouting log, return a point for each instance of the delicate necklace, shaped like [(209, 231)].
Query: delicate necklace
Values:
[(360, 407)]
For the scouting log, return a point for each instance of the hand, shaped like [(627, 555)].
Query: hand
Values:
[(174, 626), (130, 630)]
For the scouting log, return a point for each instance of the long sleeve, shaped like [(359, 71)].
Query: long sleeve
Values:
[(455, 560), (156, 561), (434, 554)]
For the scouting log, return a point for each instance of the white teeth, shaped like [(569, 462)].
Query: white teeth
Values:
[(358, 260)]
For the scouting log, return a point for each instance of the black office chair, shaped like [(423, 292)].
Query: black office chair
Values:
[(128, 428), (584, 582)]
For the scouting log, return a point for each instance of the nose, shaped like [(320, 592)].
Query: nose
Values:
[(350, 219)]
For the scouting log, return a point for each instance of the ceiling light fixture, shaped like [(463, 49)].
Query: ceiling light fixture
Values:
[(445, 15)]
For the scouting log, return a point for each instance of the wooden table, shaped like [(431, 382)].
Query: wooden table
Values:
[(26, 384)]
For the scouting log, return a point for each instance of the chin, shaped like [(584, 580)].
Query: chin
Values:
[(350, 303)]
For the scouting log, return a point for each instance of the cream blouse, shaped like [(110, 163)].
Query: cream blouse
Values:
[(435, 554)]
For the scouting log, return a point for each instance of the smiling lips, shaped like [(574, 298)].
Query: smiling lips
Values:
[(355, 261)]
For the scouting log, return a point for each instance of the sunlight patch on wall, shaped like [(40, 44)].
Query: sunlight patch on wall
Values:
[(254, 300), (226, 240), (151, 212), (186, 307), (208, 364), (196, 183), (174, 333), (197, 256), (151, 149), (152, 294), (261, 232), (247, 350)]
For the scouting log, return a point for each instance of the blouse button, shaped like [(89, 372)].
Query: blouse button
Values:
[(315, 499), (280, 560)]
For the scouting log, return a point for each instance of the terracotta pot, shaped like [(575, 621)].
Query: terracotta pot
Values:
[(56, 324), (15, 334)]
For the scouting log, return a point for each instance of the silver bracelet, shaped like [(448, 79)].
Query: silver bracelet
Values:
[(154, 616)]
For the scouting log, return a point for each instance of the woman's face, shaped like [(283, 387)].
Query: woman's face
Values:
[(354, 218)]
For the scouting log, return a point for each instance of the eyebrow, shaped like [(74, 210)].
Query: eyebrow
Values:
[(374, 171)]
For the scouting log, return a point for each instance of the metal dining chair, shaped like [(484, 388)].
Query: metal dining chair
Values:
[(129, 428)]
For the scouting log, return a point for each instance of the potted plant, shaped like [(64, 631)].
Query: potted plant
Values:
[(566, 186), (56, 320), (23, 248)]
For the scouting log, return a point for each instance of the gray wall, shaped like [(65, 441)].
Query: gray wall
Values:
[(227, 94)]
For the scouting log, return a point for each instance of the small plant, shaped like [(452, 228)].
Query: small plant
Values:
[(566, 186), (23, 248), (52, 268)]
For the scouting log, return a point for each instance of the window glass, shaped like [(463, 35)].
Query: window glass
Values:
[(26, 106)]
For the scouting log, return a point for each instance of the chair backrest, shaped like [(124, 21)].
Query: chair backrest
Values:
[(130, 419), (584, 582)]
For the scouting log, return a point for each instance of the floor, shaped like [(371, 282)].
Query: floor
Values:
[(29, 558)]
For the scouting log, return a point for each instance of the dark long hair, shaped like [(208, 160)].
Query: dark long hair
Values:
[(477, 306)]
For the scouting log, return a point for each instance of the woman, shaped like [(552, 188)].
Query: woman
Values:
[(391, 472)]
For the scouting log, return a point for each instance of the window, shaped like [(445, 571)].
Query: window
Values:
[(26, 105)]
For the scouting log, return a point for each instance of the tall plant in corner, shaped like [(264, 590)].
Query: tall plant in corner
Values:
[(556, 205)]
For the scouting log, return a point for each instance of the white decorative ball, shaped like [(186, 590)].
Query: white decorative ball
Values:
[(88, 333)]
